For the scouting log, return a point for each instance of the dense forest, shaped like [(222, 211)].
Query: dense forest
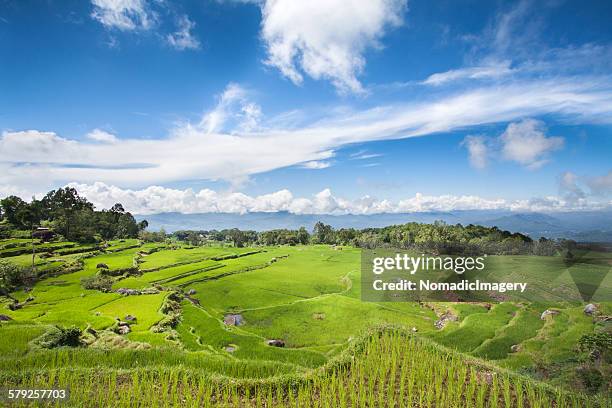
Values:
[(69, 216)]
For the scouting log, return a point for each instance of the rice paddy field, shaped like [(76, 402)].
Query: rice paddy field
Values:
[(200, 319)]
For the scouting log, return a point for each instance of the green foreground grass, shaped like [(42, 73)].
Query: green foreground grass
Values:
[(389, 367)]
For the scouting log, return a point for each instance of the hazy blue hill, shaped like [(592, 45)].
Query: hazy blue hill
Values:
[(529, 223), (582, 226)]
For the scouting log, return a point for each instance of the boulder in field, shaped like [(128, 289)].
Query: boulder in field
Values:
[(548, 312), (5, 318), (102, 266), (233, 320), (124, 329), (590, 309), (515, 348), (276, 343), (444, 319), (191, 292), (129, 318), (128, 292), (15, 306)]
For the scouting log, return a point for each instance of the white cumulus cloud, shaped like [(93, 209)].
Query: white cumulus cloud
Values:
[(156, 199), (478, 151), (326, 39), (526, 143), (98, 135)]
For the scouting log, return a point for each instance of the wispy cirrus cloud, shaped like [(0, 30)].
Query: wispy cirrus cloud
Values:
[(227, 144), (316, 164), (494, 70), (144, 16), (364, 155), (512, 47), (183, 38), (234, 112), (124, 15)]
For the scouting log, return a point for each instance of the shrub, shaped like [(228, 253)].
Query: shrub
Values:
[(170, 321), (596, 344), (72, 266), (98, 282), (591, 378), (58, 336), (13, 276)]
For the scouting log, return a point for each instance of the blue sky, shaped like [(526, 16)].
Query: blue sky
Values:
[(309, 107)]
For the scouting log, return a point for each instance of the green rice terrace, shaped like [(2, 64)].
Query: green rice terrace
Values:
[(128, 323)]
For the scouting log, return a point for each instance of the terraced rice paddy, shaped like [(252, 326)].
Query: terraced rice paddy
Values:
[(307, 297)]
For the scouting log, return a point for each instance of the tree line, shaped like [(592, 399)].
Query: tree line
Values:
[(436, 238), (75, 219), (69, 215)]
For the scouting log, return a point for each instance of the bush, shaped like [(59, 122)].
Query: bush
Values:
[(597, 344), (58, 336), (98, 282), (590, 378), (72, 266), (13, 276), (169, 322), (118, 272)]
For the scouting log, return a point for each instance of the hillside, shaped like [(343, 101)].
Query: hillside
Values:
[(167, 311)]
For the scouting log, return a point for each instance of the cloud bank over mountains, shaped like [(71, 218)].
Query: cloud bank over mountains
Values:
[(156, 199)]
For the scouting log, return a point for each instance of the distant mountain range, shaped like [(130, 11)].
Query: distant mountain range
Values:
[(593, 226)]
